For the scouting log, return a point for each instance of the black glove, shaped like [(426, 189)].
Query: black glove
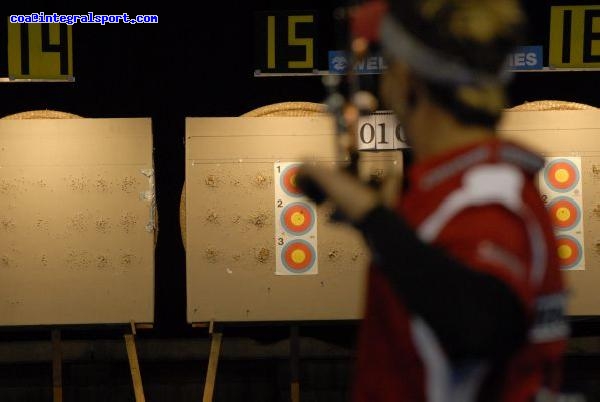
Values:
[(315, 192), (310, 188)]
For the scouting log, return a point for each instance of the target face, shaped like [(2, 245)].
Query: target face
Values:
[(288, 181), (569, 251), (297, 218), (561, 175), (565, 213), (298, 256)]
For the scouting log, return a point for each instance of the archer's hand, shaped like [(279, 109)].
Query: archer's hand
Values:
[(348, 194)]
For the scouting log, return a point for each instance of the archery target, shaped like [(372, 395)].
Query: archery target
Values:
[(561, 187), (565, 213), (288, 181), (298, 256), (297, 218), (570, 252), (295, 224), (561, 175)]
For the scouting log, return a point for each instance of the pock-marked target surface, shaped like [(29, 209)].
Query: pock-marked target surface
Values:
[(561, 189), (295, 225)]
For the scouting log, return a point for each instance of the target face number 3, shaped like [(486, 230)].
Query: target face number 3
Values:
[(569, 251), (299, 256)]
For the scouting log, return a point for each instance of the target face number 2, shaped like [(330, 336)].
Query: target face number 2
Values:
[(560, 185), (565, 213), (297, 218), (295, 224)]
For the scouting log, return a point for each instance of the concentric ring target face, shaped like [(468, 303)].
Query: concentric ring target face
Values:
[(569, 251), (298, 256), (297, 218), (561, 175), (565, 213), (288, 181)]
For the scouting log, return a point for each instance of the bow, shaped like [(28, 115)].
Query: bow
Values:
[(347, 109)]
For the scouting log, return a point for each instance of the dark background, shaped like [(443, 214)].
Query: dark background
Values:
[(201, 64)]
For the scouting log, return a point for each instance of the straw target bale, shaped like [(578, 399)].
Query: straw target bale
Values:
[(283, 109), (547, 105)]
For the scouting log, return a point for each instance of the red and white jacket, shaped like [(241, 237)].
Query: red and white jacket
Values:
[(465, 296)]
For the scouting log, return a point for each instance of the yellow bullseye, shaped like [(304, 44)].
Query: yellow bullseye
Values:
[(293, 180), (298, 256), (563, 214), (298, 218), (564, 252), (561, 175)]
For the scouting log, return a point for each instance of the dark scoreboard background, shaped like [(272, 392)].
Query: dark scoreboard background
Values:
[(326, 31), (290, 36)]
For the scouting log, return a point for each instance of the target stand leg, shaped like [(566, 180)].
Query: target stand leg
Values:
[(57, 391), (213, 362), (295, 364), (134, 366)]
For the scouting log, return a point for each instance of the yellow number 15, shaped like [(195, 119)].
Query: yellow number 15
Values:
[(293, 21)]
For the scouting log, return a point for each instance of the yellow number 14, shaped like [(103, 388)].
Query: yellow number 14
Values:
[(40, 51)]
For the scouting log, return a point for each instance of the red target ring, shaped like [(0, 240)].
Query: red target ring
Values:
[(561, 175), (298, 218), (298, 256), (565, 213), (288, 181), (569, 251)]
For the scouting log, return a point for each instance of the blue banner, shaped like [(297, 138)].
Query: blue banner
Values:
[(371, 64), (526, 58), (521, 58)]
